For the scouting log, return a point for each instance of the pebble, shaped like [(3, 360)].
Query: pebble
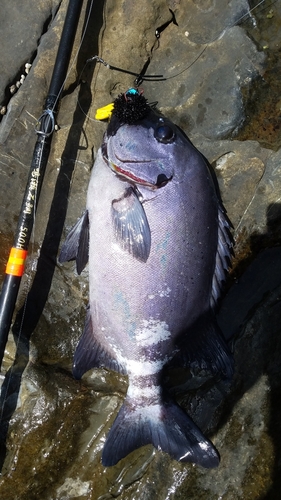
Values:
[(27, 67), (13, 89)]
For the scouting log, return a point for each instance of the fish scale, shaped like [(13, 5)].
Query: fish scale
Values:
[(159, 248)]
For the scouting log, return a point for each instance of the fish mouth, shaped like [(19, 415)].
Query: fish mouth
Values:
[(161, 180)]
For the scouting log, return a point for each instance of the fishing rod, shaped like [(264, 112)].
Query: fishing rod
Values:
[(18, 253), (46, 125)]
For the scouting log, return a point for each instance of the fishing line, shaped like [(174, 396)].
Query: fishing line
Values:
[(49, 118), (243, 17), (141, 76), (109, 66), (46, 122), (26, 288), (48, 114), (160, 78), (10, 371)]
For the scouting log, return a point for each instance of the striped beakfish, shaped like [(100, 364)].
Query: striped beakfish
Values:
[(158, 242)]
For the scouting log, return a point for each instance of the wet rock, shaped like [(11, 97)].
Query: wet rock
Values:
[(239, 167), (263, 214), (211, 74), (52, 427), (18, 42), (17, 128)]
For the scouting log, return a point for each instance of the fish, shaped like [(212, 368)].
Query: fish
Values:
[(159, 246)]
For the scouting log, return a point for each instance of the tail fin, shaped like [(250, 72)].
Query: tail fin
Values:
[(166, 426)]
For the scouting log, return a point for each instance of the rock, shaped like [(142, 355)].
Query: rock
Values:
[(222, 74), (53, 427), (18, 42)]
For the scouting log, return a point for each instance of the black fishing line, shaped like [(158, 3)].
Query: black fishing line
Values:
[(48, 117), (121, 70), (141, 76), (161, 28)]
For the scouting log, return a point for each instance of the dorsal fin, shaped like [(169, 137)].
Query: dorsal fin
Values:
[(223, 255)]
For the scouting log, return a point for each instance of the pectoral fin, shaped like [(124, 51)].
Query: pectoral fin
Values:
[(131, 225), (76, 245)]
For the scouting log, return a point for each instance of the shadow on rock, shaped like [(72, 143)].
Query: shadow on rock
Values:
[(250, 318), (245, 414), (27, 318)]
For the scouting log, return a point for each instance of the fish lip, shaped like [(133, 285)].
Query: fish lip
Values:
[(131, 177), (128, 175)]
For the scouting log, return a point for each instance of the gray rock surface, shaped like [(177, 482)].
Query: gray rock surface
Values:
[(19, 42), (53, 427)]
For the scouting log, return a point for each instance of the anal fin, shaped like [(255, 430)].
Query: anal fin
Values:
[(203, 347)]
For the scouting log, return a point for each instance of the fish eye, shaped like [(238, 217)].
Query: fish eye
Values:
[(164, 133)]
